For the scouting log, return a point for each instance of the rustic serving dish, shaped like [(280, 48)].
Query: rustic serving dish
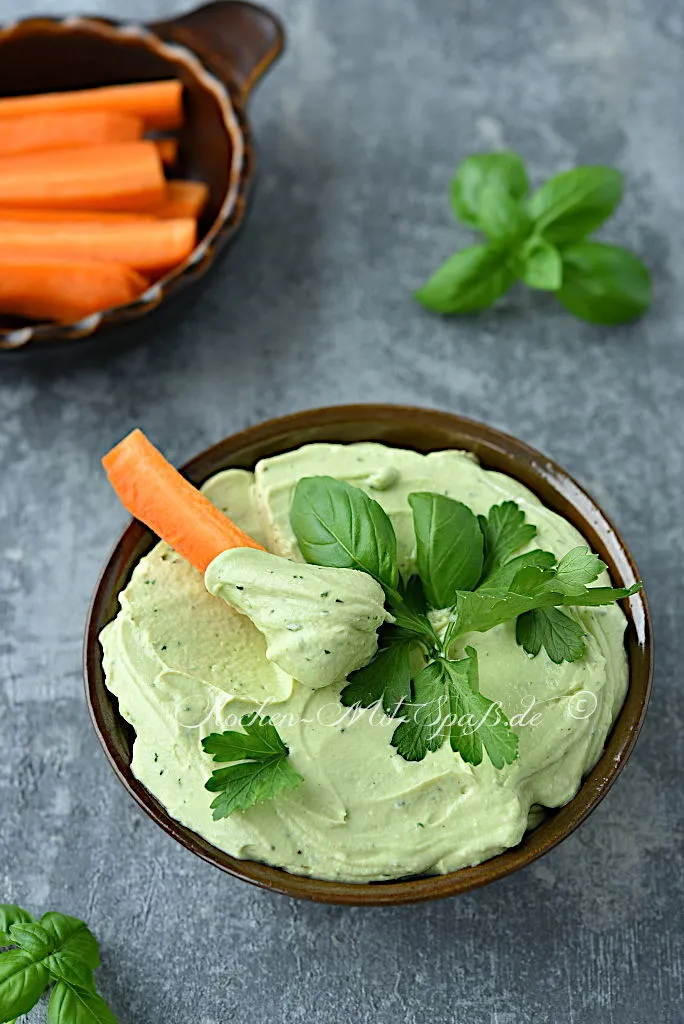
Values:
[(219, 52), (423, 430)]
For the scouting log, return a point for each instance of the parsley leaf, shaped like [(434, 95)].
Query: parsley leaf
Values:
[(576, 569), (386, 679), (342, 527), (447, 702), (561, 637), (449, 546), (264, 769), (505, 532)]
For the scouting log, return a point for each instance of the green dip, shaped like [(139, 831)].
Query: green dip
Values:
[(184, 663)]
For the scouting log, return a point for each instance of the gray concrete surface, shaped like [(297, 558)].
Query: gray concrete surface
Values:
[(359, 129)]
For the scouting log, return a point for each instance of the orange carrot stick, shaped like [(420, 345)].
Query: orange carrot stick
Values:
[(33, 132), (156, 494), (64, 290), (146, 245), (27, 215), (159, 104), (126, 175), (168, 151), (182, 199)]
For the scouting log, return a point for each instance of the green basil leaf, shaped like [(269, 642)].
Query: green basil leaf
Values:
[(604, 284), (450, 546), (571, 205), (70, 1005), (503, 218), (69, 935), (542, 266), (22, 983), (9, 915), (341, 526), (32, 938), (70, 968), (468, 281), (504, 172)]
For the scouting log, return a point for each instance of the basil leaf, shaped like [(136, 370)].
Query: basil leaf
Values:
[(69, 935), (468, 281), (561, 637), (340, 526), (32, 938), (450, 546), (22, 983), (70, 1005), (502, 172), (604, 284), (571, 205), (542, 266), (70, 968), (9, 915), (387, 679), (503, 218)]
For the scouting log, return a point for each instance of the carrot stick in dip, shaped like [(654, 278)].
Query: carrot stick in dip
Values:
[(156, 494)]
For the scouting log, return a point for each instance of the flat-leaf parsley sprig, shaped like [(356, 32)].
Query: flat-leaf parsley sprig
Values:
[(541, 240), (262, 770), (57, 950), (468, 565)]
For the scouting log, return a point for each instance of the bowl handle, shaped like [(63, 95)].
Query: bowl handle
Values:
[(238, 41)]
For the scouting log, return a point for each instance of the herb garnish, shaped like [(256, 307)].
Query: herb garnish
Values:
[(264, 768), (470, 566), (541, 240), (57, 949)]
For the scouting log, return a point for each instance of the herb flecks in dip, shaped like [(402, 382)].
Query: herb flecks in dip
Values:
[(185, 664)]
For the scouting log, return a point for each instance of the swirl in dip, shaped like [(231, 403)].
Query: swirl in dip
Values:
[(184, 664)]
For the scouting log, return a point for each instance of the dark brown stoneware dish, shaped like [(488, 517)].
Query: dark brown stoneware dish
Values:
[(219, 52), (423, 430)]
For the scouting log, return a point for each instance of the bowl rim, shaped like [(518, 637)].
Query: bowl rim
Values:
[(231, 212), (504, 448)]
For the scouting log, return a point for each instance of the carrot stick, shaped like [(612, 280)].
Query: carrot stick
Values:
[(159, 104), (27, 215), (64, 290), (168, 151), (33, 132), (182, 199), (147, 245), (156, 494), (126, 175)]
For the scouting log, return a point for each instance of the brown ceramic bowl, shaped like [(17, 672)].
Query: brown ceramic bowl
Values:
[(424, 430), (219, 52)]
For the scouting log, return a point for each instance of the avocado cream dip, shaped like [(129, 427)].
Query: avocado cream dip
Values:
[(184, 663)]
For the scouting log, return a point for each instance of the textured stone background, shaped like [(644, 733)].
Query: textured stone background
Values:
[(359, 129)]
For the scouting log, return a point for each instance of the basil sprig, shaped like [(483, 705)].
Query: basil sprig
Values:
[(57, 949), (540, 240)]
